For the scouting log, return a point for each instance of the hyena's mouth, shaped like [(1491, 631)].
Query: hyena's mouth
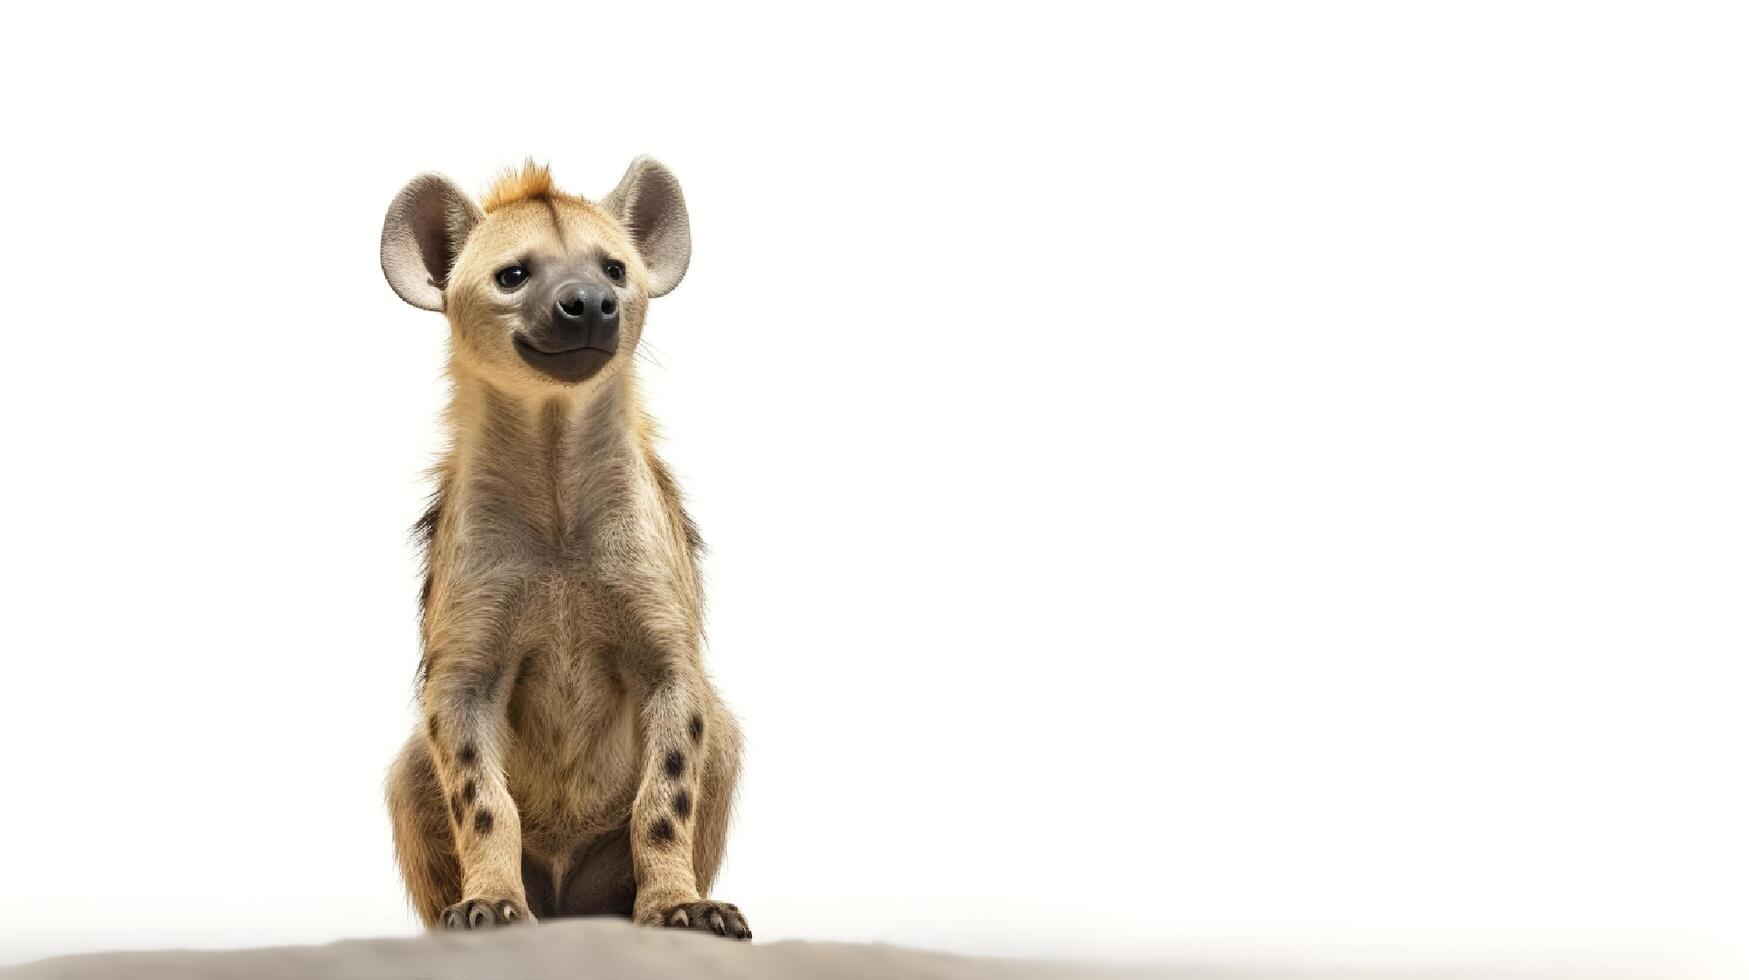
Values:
[(569, 366)]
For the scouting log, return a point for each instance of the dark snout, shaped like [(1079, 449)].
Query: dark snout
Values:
[(588, 312), (576, 334)]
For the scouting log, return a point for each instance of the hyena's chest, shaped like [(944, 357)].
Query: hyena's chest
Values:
[(573, 761)]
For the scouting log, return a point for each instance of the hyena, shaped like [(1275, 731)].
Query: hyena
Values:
[(573, 758)]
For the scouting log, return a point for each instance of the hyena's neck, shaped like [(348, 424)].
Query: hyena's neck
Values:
[(549, 471)]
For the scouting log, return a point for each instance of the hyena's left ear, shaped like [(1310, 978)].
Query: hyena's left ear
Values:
[(422, 234), (648, 201)]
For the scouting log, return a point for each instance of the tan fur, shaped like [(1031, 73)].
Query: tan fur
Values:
[(563, 622), (532, 182)]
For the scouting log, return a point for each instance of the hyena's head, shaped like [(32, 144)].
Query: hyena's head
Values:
[(541, 288)]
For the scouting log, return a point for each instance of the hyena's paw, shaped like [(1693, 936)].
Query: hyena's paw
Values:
[(485, 913), (707, 916)]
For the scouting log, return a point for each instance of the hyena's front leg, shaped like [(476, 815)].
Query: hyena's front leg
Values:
[(681, 812), (465, 696)]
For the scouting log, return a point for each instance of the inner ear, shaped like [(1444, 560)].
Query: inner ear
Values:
[(649, 203), (427, 224)]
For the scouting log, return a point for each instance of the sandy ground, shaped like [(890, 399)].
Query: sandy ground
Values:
[(609, 948)]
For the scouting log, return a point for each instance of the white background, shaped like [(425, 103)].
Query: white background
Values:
[(1233, 478)]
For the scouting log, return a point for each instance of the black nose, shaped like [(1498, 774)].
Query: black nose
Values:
[(584, 304)]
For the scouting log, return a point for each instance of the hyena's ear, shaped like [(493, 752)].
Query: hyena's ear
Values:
[(422, 234), (648, 201)]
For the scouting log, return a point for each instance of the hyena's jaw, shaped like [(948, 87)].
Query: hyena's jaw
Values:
[(570, 366)]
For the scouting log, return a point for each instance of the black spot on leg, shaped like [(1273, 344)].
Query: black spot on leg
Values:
[(662, 831), (683, 804), (483, 821), (468, 791), (455, 808), (469, 754), (695, 728), (675, 765)]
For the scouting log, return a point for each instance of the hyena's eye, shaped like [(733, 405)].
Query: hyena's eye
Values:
[(615, 269), (511, 276)]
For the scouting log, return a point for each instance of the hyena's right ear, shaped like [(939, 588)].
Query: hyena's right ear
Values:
[(422, 234)]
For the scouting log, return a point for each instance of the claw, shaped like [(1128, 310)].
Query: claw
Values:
[(721, 918)]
